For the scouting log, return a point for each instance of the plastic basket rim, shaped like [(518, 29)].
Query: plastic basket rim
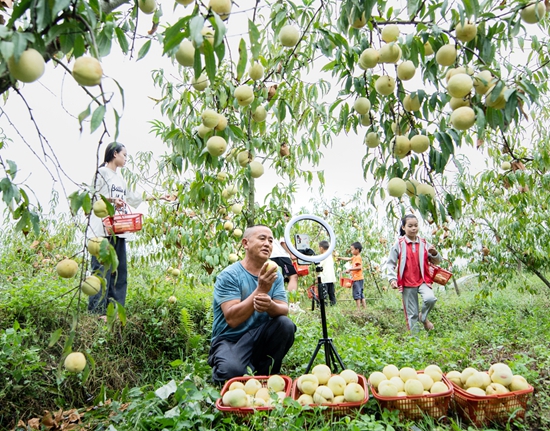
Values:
[(416, 397), (338, 406), (472, 397), (248, 410)]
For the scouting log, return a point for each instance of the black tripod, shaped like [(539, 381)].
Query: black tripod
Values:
[(332, 358)]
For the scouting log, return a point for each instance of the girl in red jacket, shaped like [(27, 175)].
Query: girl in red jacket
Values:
[(407, 269)]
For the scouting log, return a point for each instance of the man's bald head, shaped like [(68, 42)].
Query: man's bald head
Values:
[(249, 231)]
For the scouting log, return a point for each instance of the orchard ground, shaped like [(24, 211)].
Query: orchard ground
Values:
[(152, 372)]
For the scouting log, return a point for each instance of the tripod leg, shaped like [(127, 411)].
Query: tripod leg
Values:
[(313, 356), (329, 347)]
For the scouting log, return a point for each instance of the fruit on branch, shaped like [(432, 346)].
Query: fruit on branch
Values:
[(390, 33), (498, 102), (506, 166), (203, 131), (483, 81), (365, 120), (260, 114), (385, 85), (361, 105), (67, 268), (256, 71), (100, 208), (221, 7), (533, 13), (87, 71), (237, 233), (463, 118), (446, 55), (411, 103), (232, 258), (185, 55), (289, 36), (222, 123), (244, 158), (185, 2), (401, 146), (244, 95), (94, 245), (256, 169), (460, 85), (284, 150), (147, 6), (216, 146), (91, 285), (456, 102), (210, 118), (406, 70), (372, 140), (369, 58), (200, 83), (359, 22), (467, 32), (420, 143), (390, 53), (428, 50), (228, 225), (396, 187), (29, 67)]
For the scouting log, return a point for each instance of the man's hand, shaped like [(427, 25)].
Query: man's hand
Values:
[(262, 302), (393, 284), (267, 277)]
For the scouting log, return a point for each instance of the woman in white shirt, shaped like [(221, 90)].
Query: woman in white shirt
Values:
[(113, 187)]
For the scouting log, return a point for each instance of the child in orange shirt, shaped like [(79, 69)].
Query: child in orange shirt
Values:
[(356, 272)]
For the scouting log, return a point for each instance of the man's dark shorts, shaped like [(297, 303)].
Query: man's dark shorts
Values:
[(286, 265)]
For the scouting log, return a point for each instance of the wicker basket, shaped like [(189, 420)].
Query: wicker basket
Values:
[(482, 410), (417, 406), (342, 408), (122, 223), (245, 411)]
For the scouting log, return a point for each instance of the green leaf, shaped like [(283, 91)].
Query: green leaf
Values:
[(195, 27), (68, 346), (84, 114), (243, 59), (173, 35), (19, 8), (121, 311), (144, 50), (210, 61), (55, 337), (254, 37), (97, 118), (122, 41), (220, 30)]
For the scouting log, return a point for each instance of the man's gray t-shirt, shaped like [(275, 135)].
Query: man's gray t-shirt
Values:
[(235, 282)]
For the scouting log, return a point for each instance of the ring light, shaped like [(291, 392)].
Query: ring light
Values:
[(313, 259)]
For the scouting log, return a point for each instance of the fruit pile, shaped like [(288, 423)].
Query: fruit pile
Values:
[(498, 380), (414, 393), (252, 393), (493, 396), (323, 387), (394, 382)]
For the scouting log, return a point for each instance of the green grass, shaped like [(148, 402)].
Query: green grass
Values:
[(162, 342)]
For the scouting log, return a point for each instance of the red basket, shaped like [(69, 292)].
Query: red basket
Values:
[(245, 411), (498, 408), (301, 270), (416, 406), (122, 223), (439, 275), (346, 282), (341, 408)]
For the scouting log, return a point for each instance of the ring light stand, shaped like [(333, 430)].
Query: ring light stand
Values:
[(332, 358)]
